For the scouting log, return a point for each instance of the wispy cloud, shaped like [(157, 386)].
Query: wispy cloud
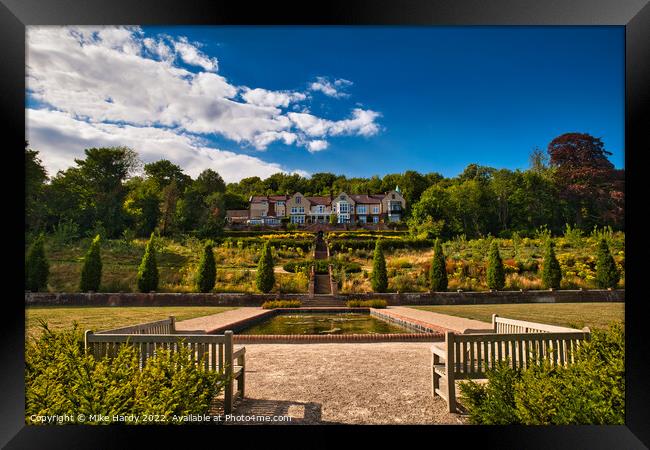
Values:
[(331, 88)]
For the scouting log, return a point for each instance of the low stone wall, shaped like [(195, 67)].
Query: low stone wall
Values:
[(435, 298)]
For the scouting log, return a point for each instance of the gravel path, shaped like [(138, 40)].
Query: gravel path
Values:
[(382, 383)]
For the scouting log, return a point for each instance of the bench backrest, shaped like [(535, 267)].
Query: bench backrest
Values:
[(503, 325), (207, 349), (165, 326), (471, 355)]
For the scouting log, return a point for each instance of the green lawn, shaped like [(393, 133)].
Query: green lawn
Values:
[(593, 315), (104, 318)]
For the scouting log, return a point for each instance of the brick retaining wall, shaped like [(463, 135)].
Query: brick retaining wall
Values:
[(436, 298)]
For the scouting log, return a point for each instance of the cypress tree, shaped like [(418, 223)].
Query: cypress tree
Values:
[(379, 278), (265, 278), (551, 272), (438, 278), (607, 275), (496, 275), (207, 274), (37, 269), (148, 270), (91, 272)]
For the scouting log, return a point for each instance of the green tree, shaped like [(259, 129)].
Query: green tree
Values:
[(607, 275), (91, 272), (148, 270), (37, 269), (35, 178), (333, 219), (142, 205), (438, 276), (207, 273), (551, 272), (265, 277), (496, 275), (379, 278)]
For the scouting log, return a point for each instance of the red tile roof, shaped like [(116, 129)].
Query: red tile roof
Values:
[(365, 198)]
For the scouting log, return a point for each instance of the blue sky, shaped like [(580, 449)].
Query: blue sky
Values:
[(354, 100)]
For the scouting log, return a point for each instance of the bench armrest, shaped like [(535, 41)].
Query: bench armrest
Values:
[(439, 350), (239, 352)]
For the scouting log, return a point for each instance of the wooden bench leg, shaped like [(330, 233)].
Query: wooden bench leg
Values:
[(227, 400), (435, 359), (451, 392), (241, 381)]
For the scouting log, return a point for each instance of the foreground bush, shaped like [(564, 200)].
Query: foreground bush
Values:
[(61, 379), (590, 391), (374, 303), (272, 304), (91, 272), (37, 268)]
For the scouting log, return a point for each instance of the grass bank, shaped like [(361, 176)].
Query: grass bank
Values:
[(577, 315)]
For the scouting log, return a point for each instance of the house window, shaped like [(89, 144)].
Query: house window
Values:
[(297, 219), (375, 209), (344, 207), (393, 196), (361, 209), (362, 219), (280, 203), (320, 209), (375, 219)]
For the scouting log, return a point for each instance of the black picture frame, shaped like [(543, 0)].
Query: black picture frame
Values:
[(634, 15)]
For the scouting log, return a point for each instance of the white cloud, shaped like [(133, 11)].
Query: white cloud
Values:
[(329, 88), (193, 56), (263, 97), (60, 139), (317, 145), (361, 123), (101, 80)]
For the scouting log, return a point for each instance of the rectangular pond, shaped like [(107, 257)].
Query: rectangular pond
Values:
[(321, 323)]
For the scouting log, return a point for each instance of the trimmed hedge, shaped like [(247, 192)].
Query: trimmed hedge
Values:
[(374, 303), (206, 276), (342, 245), (607, 275), (265, 277), (321, 266), (306, 245), (148, 270), (273, 304)]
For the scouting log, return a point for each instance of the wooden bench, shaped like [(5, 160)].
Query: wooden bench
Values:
[(470, 356), (214, 352)]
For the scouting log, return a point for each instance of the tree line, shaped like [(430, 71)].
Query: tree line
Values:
[(109, 192)]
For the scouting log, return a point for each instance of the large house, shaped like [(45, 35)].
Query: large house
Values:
[(348, 208)]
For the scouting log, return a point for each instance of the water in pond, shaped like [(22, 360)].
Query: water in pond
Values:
[(321, 323)]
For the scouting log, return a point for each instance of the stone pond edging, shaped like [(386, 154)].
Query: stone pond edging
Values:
[(394, 299)]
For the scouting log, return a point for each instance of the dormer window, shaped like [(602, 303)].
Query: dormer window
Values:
[(342, 197), (393, 196), (298, 199)]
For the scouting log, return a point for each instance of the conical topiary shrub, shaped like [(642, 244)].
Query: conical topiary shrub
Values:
[(438, 276), (379, 278), (265, 278), (91, 272), (496, 275), (207, 273), (148, 270), (607, 275), (37, 269), (551, 272)]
